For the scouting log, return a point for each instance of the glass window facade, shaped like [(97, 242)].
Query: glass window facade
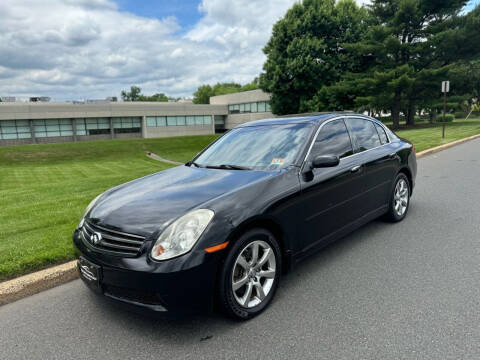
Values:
[(181, 120), (171, 121), (156, 121), (68, 127), (14, 129), (190, 120), (262, 106), (52, 127), (252, 107), (101, 126), (127, 125), (92, 126)]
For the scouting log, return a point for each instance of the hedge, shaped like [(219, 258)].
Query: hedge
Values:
[(448, 118)]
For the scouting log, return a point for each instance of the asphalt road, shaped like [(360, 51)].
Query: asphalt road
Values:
[(404, 291)]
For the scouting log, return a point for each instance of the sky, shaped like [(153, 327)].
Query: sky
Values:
[(91, 49)]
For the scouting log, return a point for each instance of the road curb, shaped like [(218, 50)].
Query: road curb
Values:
[(445, 146), (16, 289)]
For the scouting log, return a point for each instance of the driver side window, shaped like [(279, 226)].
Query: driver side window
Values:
[(333, 139)]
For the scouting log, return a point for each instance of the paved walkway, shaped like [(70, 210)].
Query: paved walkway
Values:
[(159, 158)]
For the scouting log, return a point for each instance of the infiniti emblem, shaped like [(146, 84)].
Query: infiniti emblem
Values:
[(96, 238)]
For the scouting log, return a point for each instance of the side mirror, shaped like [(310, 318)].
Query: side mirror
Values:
[(324, 161)]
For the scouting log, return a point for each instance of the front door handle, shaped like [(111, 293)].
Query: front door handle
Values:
[(355, 168), (392, 155)]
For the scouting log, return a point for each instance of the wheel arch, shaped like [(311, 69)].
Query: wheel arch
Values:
[(271, 225), (406, 171)]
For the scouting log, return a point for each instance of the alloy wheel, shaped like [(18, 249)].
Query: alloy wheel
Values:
[(400, 197), (253, 274)]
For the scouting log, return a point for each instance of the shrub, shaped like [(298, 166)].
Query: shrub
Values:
[(460, 115), (448, 118)]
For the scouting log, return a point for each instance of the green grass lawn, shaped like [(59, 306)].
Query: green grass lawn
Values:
[(45, 188), (426, 136)]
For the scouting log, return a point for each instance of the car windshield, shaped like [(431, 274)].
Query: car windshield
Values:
[(264, 147)]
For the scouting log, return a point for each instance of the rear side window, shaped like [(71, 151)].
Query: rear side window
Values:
[(391, 134), (333, 139), (364, 134), (382, 134)]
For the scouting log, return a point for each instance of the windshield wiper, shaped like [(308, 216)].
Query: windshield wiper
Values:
[(228, 167), (194, 163)]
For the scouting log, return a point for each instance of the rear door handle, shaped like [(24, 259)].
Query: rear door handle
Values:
[(355, 168)]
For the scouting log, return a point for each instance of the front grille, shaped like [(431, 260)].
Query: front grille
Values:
[(111, 241), (138, 296)]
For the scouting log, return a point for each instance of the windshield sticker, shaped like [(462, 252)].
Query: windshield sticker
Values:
[(277, 161)]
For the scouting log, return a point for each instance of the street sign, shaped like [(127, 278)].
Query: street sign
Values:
[(445, 90), (445, 86)]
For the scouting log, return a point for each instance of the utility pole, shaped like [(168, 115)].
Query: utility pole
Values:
[(445, 89)]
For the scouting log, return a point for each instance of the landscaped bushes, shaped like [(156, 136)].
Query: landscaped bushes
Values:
[(421, 118), (448, 117)]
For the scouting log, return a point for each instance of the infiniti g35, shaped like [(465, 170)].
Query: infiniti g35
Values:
[(224, 227)]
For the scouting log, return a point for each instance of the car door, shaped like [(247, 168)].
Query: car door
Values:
[(329, 195), (378, 160)]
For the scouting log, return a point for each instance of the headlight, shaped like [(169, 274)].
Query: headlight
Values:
[(89, 207), (180, 236)]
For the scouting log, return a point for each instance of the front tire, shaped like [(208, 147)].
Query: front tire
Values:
[(250, 275), (399, 199)]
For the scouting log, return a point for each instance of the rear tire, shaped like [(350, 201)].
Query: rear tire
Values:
[(399, 199), (250, 275)]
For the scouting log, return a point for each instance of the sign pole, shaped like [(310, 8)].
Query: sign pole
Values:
[(444, 110), (445, 89)]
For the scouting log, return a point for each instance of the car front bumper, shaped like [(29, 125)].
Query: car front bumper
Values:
[(173, 287)]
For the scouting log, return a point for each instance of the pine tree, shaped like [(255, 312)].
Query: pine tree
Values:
[(411, 47)]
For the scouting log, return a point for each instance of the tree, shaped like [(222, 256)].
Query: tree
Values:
[(131, 95), (411, 46), (155, 97), (204, 92), (305, 52), (135, 94), (202, 95), (254, 85), (466, 77)]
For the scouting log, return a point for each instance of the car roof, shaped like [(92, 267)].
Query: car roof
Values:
[(298, 119)]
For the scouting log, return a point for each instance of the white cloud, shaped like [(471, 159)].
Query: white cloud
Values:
[(74, 49), (178, 52)]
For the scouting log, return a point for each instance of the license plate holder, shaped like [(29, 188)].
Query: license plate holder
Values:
[(90, 273)]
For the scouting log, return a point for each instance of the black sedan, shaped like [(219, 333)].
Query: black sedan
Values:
[(222, 228)]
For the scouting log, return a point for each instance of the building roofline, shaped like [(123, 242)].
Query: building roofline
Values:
[(305, 115), (240, 92)]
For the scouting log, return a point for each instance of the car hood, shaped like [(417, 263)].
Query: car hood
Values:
[(146, 205)]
